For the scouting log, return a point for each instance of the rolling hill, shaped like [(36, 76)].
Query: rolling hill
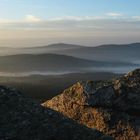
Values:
[(113, 53), (50, 62)]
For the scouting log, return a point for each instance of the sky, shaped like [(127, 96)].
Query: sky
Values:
[(26, 23)]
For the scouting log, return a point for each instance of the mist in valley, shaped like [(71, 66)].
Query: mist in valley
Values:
[(54, 67)]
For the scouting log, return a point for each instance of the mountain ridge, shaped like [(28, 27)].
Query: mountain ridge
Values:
[(51, 62), (83, 46), (114, 53), (111, 52)]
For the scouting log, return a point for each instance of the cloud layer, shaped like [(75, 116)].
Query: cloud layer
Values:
[(114, 14), (109, 21), (87, 30)]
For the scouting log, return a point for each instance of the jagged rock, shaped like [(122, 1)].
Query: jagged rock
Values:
[(111, 107), (24, 119)]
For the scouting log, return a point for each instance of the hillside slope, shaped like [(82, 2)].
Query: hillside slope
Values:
[(114, 53), (111, 52), (113, 107), (50, 62)]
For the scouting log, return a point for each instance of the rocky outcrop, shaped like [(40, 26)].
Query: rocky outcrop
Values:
[(23, 119), (111, 107)]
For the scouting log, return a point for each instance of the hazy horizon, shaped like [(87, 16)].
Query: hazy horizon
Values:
[(84, 22), (36, 23), (39, 43)]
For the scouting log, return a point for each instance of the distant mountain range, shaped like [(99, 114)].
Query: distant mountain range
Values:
[(68, 57), (61, 46), (123, 53), (50, 62)]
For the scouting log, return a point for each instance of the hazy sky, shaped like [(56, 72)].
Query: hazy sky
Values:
[(88, 22)]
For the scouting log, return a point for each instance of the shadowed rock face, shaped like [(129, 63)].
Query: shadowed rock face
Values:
[(111, 107), (23, 119)]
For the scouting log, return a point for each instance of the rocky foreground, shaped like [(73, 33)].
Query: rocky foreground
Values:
[(111, 107), (23, 119)]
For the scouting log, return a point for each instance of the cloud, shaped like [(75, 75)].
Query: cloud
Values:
[(27, 19), (87, 29), (32, 18), (75, 23), (136, 18), (76, 18), (112, 14)]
